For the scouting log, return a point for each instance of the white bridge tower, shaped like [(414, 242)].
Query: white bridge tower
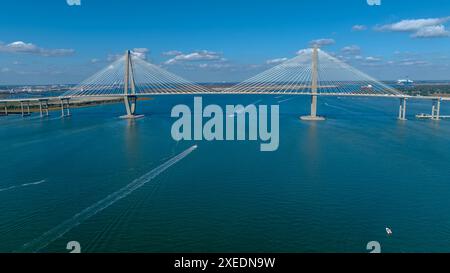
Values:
[(129, 89), (314, 87)]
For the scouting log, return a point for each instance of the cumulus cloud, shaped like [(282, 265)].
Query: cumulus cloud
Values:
[(201, 55), (351, 50), (141, 53), (321, 42), (431, 32), (276, 61), (420, 28), (302, 51), (29, 48), (359, 27)]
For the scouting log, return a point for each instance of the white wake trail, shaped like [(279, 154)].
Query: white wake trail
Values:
[(23, 185), (281, 101), (58, 231)]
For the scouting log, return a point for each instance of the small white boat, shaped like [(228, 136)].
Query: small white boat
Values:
[(367, 87), (388, 231)]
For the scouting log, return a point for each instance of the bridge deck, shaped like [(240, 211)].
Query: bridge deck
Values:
[(229, 93)]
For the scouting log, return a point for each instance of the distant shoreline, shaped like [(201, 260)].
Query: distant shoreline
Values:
[(15, 108)]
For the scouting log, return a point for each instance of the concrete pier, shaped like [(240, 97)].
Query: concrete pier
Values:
[(436, 109), (402, 109), (43, 107), (5, 109), (65, 107), (22, 108)]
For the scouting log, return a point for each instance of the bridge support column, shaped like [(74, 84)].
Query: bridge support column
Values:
[(5, 104), (65, 107), (314, 86), (402, 109), (436, 109), (130, 105), (22, 108), (43, 107)]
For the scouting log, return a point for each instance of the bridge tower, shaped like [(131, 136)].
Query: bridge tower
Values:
[(129, 89), (314, 87)]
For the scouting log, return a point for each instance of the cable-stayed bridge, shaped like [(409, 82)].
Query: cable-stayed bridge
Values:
[(313, 72)]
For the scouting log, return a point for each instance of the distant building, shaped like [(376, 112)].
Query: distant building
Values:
[(405, 82)]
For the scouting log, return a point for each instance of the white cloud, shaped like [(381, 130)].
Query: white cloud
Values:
[(413, 25), (276, 61), (321, 42), (114, 57), (301, 51), (351, 50), (214, 66), (372, 59), (172, 53), (5, 69), (140, 53), (412, 62), (420, 28), (95, 60), (201, 55), (29, 48), (431, 32), (359, 28), (73, 2)]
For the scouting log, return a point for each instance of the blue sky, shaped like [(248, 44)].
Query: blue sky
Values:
[(217, 40)]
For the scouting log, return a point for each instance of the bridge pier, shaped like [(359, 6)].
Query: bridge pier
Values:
[(130, 106), (436, 109), (5, 112), (27, 113), (65, 107), (402, 109), (43, 107), (314, 86)]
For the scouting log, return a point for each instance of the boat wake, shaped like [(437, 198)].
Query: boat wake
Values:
[(58, 231), (23, 185), (281, 101)]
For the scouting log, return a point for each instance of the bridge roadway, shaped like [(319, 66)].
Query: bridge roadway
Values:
[(65, 104)]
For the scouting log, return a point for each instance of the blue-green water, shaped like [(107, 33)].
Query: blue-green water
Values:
[(331, 186)]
